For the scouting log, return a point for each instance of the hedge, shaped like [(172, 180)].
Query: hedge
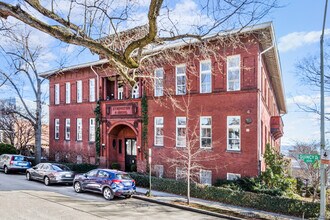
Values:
[(264, 202), (80, 168)]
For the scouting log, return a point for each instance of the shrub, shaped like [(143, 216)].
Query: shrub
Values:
[(80, 168), (115, 166), (7, 149), (240, 198)]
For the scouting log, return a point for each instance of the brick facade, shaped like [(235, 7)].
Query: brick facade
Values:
[(255, 103)]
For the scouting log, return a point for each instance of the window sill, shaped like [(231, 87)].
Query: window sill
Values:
[(158, 145), (234, 151), (206, 148)]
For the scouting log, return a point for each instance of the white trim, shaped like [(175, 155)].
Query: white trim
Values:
[(234, 68), (240, 132), (200, 177), (176, 78), (205, 72), (203, 127), (176, 131), (91, 130), (79, 91), (157, 80), (57, 94), (67, 92), (79, 129), (155, 131), (57, 129), (67, 129), (92, 90), (233, 176)]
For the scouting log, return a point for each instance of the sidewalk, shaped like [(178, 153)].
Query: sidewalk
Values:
[(229, 210)]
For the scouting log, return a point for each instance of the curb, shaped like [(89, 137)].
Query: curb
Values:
[(200, 211)]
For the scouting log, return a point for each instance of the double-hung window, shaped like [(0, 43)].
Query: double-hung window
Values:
[(67, 93), (205, 77), (57, 128), (180, 173), (92, 129), (79, 129), (79, 91), (181, 79), (57, 94), (233, 73), (181, 126), (92, 90), (233, 133), (205, 132), (67, 129), (205, 177), (159, 131), (159, 77)]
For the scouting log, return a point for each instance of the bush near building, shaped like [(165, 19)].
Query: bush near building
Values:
[(7, 149), (258, 201), (80, 168)]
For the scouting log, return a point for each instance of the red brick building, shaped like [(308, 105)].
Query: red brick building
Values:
[(219, 101)]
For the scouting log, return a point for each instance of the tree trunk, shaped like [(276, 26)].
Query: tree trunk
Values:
[(37, 127)]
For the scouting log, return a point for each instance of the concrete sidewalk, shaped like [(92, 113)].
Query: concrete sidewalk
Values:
[(171, 199)]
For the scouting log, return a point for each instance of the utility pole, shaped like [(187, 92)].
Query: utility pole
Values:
[(322, 167)]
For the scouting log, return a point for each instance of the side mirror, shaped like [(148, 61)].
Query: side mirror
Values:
[(85, 175), (34, 167)]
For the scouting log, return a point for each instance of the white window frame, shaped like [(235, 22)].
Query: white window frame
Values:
[(79, 129), (180, 173), (229, 69), (202, 173), (136, 91), (91, 136), (159, 82), (67, 93), (234, 127), (178, 92), (159, 136), (205, 72), (205, 127), (120, 92), (67, 129), (92, 90), (233, 176), (57, 94), (57, 129), (177, 128), (79, 91)]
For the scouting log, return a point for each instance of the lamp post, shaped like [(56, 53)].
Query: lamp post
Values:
[(322, 167)]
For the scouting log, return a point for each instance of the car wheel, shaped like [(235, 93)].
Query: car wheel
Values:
[(47, 181), (28, 176), (6, 170), (128, 196), (77, 187), (107, 193)]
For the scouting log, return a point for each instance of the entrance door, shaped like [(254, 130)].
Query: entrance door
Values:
[(130, 155)]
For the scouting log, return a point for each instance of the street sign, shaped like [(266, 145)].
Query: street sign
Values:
[(309, 158), (325, 159)]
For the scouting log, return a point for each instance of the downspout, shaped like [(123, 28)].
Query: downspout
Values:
[(259, 106)]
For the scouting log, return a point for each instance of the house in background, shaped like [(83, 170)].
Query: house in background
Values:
[(223, 95)]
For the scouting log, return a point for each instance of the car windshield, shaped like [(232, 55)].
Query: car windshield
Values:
[(60, 167), (123, 176), (19, 158)]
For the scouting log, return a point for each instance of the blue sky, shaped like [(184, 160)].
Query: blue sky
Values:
[(297, 25)]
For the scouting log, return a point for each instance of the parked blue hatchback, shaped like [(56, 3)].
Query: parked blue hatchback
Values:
[(110, 183)]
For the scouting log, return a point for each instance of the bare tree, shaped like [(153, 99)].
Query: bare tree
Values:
[(22, 70), (308, 71), (309, 171), (99, 25)]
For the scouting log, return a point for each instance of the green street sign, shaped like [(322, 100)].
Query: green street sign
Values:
[(309, 158)]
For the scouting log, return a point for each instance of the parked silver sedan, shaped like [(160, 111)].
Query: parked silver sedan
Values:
[(50, 173)]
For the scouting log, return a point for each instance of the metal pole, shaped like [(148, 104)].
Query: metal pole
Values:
[(322, 167), (149, 172)]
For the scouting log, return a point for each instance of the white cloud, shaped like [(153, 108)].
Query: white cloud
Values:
[(295, 40)]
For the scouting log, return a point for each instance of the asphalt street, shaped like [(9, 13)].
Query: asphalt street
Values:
[(22, 199)]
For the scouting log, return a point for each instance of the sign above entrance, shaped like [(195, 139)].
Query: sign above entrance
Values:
[(121, 110)]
